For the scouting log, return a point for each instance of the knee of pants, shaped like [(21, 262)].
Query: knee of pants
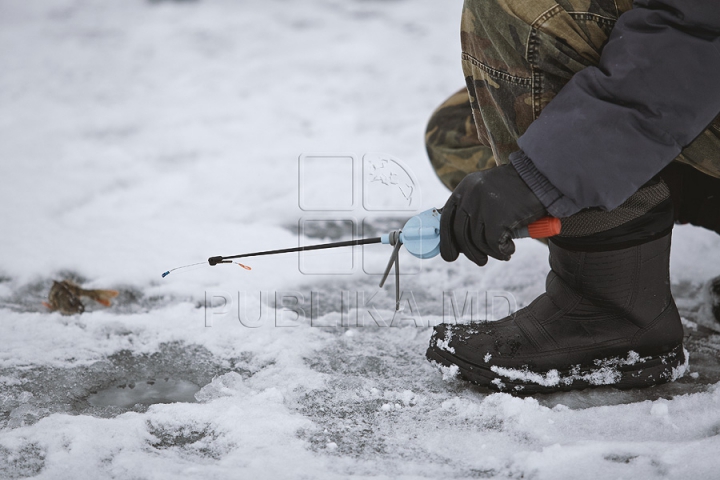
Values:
[(453, 144)]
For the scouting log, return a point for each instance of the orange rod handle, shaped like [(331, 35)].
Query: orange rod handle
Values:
[(544, 228)]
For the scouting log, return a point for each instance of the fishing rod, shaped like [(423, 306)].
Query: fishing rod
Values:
[(350, 243), (420, 236), (219, 259)]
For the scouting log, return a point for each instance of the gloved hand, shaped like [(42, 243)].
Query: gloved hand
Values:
[(481, 213)]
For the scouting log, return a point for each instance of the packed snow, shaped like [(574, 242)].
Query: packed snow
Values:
[(137, 136)]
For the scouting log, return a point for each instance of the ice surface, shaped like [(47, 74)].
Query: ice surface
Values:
[(137, 136)]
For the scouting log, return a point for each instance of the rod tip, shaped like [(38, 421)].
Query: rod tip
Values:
[(165, 274)]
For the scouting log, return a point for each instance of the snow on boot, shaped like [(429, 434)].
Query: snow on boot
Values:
[(607, 317)]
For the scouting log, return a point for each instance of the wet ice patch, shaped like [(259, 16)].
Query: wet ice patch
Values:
[(117, 384), (145, 392)]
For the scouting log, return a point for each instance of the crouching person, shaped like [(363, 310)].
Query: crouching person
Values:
[(603, 113)]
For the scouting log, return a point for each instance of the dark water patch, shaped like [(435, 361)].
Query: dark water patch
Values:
[(145, 392), (172, 374)]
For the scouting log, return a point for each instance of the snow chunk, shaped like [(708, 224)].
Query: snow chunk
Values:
[(632, 358), (499, 383), (448, 373), (227, 385), (407, 397), (679, 371)]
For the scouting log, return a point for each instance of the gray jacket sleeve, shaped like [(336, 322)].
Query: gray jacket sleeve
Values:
[(614, 126)]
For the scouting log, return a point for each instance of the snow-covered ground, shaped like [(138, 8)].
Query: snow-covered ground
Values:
[(137, 136)]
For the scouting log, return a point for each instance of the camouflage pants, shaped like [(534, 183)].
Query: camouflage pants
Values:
[(516, 56)]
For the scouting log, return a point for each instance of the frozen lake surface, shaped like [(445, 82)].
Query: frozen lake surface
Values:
[(137, 136)]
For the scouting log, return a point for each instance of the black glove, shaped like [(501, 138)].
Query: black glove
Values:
[(481, 213)]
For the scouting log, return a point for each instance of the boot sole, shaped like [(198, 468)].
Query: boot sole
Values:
[(632, 372)]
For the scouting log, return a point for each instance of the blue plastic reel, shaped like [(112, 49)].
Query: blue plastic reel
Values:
[(420, 235)]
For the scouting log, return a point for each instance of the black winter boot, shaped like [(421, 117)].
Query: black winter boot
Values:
[(607, 318)]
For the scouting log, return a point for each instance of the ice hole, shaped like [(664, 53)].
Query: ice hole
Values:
[(146, 392)]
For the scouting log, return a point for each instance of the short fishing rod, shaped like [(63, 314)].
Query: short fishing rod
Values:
[(429, 234), (229, 259), (350, 243), (420, 236)]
